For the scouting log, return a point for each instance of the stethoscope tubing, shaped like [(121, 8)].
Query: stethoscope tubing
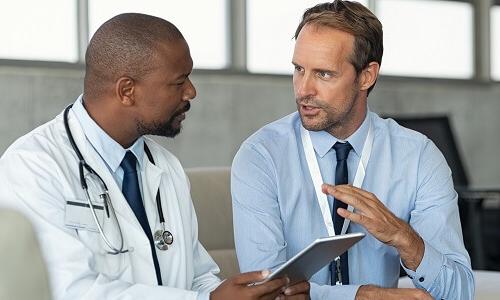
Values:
[(82, 164)]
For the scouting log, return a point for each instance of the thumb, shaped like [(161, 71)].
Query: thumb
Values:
[(250, 277)]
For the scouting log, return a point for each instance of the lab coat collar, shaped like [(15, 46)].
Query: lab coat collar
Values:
[(108, 149), (151, 178)]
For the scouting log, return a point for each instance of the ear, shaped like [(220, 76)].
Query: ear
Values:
[(125, 90), (368, 76)]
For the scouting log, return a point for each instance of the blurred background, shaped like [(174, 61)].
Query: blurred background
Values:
[(441, 59)]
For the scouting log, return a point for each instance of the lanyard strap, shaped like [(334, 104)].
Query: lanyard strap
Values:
[(317, 179)]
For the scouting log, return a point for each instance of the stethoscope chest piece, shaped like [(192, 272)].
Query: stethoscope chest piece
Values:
[(163, 239)]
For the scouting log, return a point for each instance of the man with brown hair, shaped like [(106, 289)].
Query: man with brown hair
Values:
[(390, 182)]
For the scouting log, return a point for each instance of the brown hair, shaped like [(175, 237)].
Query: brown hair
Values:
[(353, 18)]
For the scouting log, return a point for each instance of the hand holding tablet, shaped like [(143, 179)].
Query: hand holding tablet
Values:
[(318, 254)]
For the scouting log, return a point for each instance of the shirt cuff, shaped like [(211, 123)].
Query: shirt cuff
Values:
[(345, 292), (429, 268)]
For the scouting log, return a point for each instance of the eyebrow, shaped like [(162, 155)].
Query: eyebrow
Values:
[(334, 73)]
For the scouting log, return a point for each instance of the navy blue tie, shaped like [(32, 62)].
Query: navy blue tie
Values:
[(342, 150), (132, 192)]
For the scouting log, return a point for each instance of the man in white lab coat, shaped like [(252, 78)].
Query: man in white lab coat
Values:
[(108, 247)]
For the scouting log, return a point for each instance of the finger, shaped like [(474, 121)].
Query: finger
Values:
[(354, 217), (274, 296), (269, 287), (250, 277), (352, 198), (359, 191), (298, 288), (327, 188)]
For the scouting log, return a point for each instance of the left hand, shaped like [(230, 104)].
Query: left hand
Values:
[(298, 291), (379, 221)]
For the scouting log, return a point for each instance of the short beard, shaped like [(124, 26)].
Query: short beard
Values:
[(334, 118), (165, 129)]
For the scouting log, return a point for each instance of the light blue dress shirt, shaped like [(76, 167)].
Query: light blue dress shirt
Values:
[(111, 152), (276, 212)]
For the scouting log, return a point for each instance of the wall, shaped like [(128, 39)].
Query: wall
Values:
[(230, 107)]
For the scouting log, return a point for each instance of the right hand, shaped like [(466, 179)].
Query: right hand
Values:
[(375, 292), (239, 287)]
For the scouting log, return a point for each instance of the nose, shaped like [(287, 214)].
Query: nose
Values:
[(190, 91), (304, 85)]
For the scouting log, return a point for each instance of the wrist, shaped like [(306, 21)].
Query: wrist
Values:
[(411, 248), (367, 292)]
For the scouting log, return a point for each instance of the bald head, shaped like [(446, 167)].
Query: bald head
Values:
[(125, 45)]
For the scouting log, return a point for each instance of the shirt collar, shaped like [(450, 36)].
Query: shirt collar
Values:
[(110, 151), (323, 141)]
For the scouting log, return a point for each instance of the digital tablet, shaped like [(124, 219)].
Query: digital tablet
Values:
[(314, 257)]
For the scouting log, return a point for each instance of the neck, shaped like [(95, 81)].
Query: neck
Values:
[(345, 128), (100, 111)]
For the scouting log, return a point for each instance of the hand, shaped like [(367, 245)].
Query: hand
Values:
[(380, 222), (239, 287), (298, 291), (374, 292)]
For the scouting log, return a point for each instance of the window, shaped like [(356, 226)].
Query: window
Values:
[(203, 24), (495, 43), (270, 29), (39, 30), (427, 38)]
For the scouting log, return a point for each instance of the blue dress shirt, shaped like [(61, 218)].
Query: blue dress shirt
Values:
[(111, 152), (276, 212)]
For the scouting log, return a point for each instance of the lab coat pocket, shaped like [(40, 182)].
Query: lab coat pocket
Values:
[(103, 262), (79, 215)]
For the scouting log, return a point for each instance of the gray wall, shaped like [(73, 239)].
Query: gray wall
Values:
[(229, 107)]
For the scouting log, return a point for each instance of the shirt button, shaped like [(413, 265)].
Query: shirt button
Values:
[(421, 279)]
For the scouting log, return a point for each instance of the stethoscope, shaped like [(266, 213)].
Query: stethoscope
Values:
[(162, 237)]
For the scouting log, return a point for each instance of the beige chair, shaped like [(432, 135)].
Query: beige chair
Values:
[(22, 270), (210, 190)]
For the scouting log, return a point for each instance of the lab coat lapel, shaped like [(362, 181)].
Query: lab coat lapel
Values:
[(120, 204), (151, 178)]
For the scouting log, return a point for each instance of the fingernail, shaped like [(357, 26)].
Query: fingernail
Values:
[(265, 273), (288, 291)]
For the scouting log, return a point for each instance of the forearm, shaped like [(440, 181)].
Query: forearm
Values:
[(411, 247)]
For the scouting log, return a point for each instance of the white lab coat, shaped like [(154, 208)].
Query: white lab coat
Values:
[(39, 173)]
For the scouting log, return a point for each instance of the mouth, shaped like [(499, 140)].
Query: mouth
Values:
[(181, 116), (308, 110)]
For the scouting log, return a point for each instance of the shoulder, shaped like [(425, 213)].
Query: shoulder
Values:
[(42, 147), (275, 136), (40, 140), (401, 137), (32, 167), (408, 147)]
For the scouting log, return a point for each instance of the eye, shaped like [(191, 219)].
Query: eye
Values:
[(325, 74), (181, 82), (298, 68)]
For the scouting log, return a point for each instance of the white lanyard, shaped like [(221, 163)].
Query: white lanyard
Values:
[(317, 179)]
